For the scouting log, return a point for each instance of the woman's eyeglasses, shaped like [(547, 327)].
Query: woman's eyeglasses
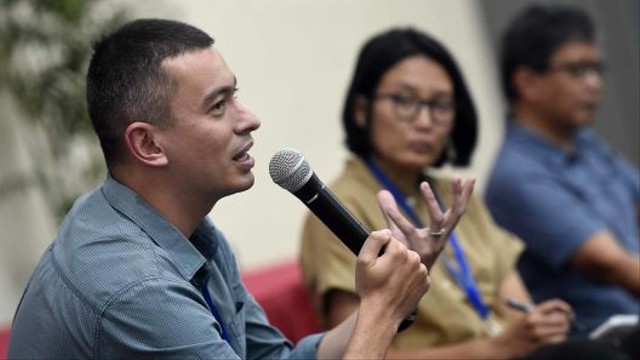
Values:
[(408, 108)]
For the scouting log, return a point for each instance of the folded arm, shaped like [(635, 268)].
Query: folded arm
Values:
[(602, 258)]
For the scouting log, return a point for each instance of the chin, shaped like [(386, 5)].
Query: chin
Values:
[(247, 183), (425, 161), (240, 186), (582, 121)]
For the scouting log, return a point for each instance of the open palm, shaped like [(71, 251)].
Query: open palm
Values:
[(428, 241)]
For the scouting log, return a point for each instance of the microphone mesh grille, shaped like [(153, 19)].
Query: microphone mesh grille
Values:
[(289, 169)]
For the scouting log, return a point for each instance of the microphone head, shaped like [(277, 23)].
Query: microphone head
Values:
[(289, 169)]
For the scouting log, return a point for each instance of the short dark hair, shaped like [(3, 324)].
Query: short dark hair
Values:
[(533, 36), (125, 81), (380, 54)]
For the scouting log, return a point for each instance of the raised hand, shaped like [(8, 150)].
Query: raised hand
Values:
[(429, 241)]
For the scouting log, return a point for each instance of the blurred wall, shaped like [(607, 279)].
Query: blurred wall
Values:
[(26, 226)]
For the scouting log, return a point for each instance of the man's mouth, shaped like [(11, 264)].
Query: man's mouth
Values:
[(243, 154), (241, 157)]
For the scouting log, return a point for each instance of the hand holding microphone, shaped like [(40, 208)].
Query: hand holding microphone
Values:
[(289, 169)]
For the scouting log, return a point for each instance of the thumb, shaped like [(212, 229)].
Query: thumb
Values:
[(374, 243)]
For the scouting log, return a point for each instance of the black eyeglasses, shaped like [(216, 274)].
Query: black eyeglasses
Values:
[(408, 108), (580, 70)]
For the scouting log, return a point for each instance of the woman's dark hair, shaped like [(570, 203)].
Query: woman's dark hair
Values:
[(533, 36), (380, 54)]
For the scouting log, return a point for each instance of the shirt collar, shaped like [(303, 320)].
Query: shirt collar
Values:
[(357, 166), (545, 149), (187, 257)]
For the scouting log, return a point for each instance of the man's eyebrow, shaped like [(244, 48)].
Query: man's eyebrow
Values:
[(219, 91)]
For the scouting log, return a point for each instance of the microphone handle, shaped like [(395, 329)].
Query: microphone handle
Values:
[(323, 203)]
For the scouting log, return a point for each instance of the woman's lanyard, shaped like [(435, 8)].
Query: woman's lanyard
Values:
[(207, 297), (462, 273)]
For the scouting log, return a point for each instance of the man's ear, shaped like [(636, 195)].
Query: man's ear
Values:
[(360, 109), (527, 83), (142, 144)]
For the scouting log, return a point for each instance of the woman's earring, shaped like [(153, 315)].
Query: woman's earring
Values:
[(451, 151)]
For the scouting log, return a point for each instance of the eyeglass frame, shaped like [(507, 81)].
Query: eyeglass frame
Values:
[(418, 104), (580, 69)]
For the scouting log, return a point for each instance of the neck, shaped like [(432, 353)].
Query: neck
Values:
[(547, 127), (174, 205), (405, 179)]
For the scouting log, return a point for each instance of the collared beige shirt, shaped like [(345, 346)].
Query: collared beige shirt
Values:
[(445, 315)]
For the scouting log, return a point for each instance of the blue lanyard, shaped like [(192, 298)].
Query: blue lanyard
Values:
[(463, 274), (207, 297)]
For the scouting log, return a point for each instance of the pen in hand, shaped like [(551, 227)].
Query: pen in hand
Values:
[(526, 308), (517, 305)]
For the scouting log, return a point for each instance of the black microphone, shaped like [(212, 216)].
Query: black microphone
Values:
[(289, 169)]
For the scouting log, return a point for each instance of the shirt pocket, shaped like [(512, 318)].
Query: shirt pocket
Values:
[(237, 325)]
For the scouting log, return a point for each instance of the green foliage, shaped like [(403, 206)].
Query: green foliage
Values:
[(45, 47)]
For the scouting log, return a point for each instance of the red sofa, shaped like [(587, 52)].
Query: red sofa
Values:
[(280, 291), (4, 341)]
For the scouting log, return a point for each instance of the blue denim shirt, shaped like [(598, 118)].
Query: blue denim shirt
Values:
[(120, 281), (554, 201)]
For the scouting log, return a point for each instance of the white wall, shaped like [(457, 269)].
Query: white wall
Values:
[(26, 226), (293, 60)]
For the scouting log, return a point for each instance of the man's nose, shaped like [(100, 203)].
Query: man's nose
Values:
[(247, 121)]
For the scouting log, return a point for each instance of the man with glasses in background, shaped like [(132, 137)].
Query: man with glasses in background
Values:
[(571, 199)]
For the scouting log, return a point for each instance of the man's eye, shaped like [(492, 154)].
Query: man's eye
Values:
[(219, 107), (583, 69)]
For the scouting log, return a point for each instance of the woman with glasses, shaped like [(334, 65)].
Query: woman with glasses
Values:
[(408, 111)]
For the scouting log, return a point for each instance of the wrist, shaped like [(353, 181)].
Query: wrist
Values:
[(500, 347), (371, 336), (384, 317)]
